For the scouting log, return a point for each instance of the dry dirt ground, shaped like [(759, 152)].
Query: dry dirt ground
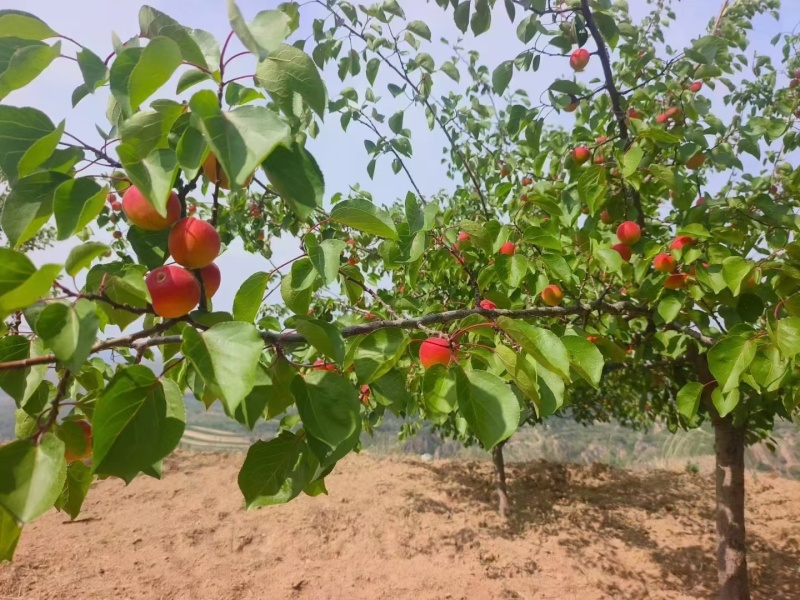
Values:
[(401, 529)]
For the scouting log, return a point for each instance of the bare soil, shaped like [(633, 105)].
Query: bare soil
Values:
[(401, 528)]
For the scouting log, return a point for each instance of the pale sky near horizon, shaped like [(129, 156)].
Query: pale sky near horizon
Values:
[(341, 156)]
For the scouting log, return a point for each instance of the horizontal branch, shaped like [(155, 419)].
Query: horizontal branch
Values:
[(143, 339)]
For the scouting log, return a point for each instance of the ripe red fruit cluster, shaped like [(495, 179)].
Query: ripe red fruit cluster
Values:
[(624, 251), (581, 154), (629, 233), (508, 249), (193, 244), (463, 236), (526, 181), (676, 281), (552, 295), (664, 263), (696, 86), (487, 305), (667, 115), (579, 59), (679, 242), (696, 161), (321, 365), (435, 351)]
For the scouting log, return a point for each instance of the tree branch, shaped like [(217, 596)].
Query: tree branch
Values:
[(613, 92)]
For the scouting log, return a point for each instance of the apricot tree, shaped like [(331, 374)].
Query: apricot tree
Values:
[(640, 239)]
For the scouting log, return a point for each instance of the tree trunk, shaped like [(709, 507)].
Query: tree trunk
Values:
[(729, 457), (504, 504), (731, 547)]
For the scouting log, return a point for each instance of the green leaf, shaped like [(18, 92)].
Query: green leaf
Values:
[(632, 160), (734, 271), (25, 65), (265, 34), (138, 420), (372, 70), (725, 402), (76, 203), (137, 73), (40, 151), (226, 356), (392, 390), (150, 246), (608, 27), (193, 77), (325, 257), (21, 284), (768, 368), (420, 28), (365, 216), (449, 69), (592, 187), (461, 16), (481, 18), (609, 259), (252, 407), (542, 344), (23, 25), (240, 139), (787, 336), (80, 257), (378, 352), (688, 399), (522, 370), (296, 288), (10, 531), (69, 330), (488, 405), (29, 205), (323, 336), (21, 129), (511, 270), (153, 23), (288, 71), (670, 307), (329, 407), (31, 476), (276, 471), (94, 71), (76, 486), (249, 297), (154, 174), (296, 176), (191, 151), (728, 359), (585, 358), (501, 76), (566, 86), (438, 393), (149, 129), (20, 384)]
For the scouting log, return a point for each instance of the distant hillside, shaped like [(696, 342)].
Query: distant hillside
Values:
[(559, 440)]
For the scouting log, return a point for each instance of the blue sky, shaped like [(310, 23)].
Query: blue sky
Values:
[(341, 155)]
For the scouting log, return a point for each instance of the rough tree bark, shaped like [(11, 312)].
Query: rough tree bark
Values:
[(731, 546), (504, 504), (729, 471)]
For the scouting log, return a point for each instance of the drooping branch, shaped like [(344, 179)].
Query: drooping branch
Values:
[(614, 94)]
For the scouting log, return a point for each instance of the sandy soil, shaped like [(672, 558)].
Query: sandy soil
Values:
[(404, 529)]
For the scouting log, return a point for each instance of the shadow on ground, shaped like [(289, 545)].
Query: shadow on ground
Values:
[(630, 510)]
